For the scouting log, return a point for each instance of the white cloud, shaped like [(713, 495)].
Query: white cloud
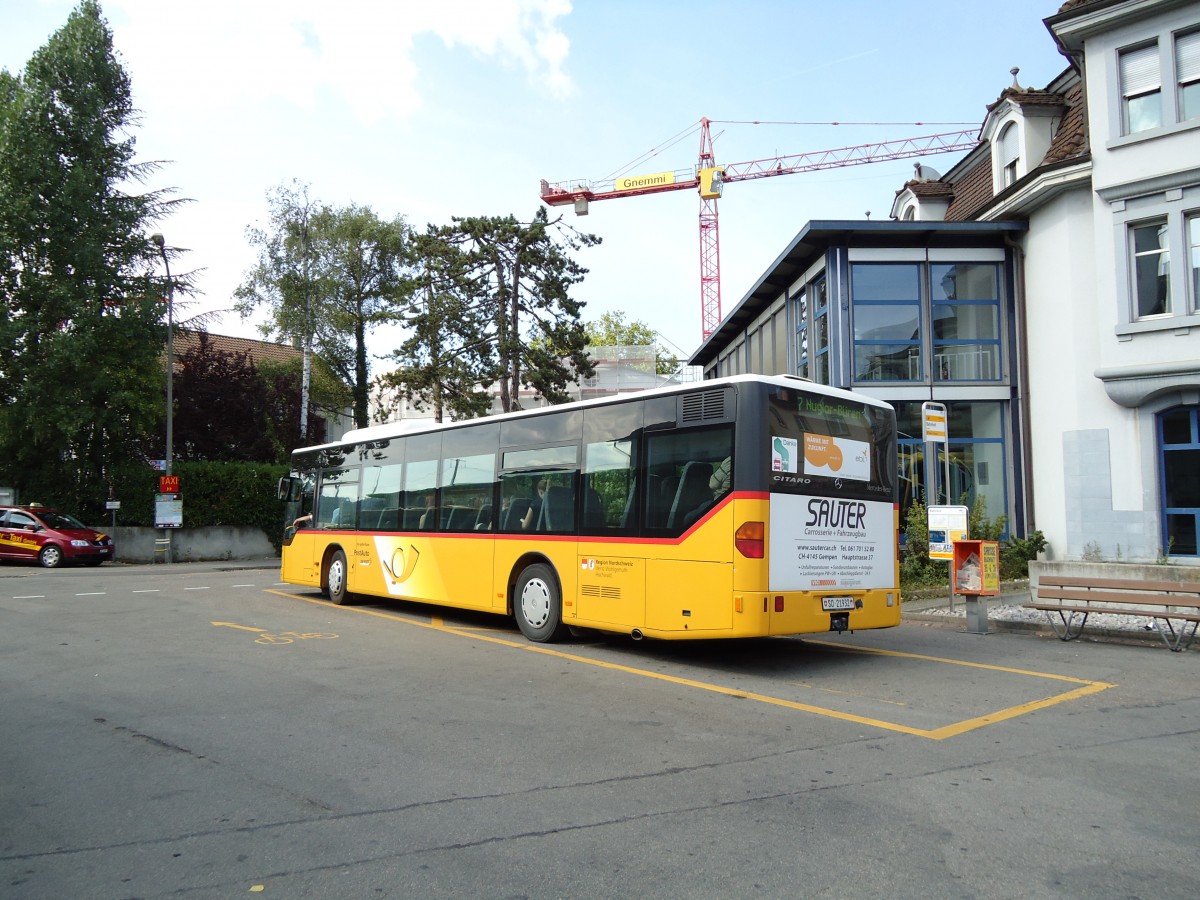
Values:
[(360, 50)]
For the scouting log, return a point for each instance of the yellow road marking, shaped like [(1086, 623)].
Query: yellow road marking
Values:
[(937, 734), (242, 627)]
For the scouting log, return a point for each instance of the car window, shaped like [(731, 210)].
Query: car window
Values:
[(20, 520), (60, 521)]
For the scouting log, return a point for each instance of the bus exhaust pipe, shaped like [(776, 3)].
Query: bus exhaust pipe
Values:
[(636, 634)]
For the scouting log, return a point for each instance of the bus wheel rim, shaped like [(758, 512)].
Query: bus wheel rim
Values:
[(535, 602), (335, 577)]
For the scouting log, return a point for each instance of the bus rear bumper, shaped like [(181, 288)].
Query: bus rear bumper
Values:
[(806, 613)]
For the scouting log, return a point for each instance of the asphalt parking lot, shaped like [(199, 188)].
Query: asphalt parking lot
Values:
[(201, 730)]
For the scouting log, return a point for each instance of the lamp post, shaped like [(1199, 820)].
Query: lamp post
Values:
[(157, 240)]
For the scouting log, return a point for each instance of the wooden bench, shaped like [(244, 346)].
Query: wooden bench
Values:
[(1068, 602)]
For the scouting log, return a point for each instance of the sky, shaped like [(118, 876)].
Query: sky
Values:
[(430, 109)]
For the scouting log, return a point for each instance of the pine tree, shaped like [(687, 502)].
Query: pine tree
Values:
[(81, 334)]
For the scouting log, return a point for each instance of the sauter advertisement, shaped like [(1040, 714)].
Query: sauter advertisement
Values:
[(828, 541)]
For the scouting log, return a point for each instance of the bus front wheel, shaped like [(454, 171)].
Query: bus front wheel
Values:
[(335, 579), (537, 605)]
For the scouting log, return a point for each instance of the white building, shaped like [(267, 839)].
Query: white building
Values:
[(619, 370), (1046, 288)]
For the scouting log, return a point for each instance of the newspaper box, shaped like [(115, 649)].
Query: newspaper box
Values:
[(975, 574)]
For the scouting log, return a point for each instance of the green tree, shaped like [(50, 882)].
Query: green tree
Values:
[(329, 275), (534, 321), (611, 330), (81, 333), (448, 361), (222, 406), (328, 395)]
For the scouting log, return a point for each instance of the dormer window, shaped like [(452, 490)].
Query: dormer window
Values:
[(1010, 155), (1141, 89)]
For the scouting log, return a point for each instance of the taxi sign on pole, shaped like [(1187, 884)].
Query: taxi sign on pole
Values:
[(168, 484), (933, 422)]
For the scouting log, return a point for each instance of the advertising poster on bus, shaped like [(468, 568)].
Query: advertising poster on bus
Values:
[(836, 539), (822, 542)]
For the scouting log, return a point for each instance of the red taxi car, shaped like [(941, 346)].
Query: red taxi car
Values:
[(50, 537)]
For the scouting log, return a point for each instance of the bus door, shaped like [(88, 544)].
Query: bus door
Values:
[(336, 510), (297, 492)]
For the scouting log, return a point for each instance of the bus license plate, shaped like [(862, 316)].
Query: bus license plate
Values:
[(833, 603)]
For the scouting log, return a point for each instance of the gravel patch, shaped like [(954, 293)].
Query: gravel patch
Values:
[(1004, 612)]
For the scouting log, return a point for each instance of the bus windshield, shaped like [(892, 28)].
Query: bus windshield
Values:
[(829, 447)]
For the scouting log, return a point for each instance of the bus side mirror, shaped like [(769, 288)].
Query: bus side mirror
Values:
[(288, 489)]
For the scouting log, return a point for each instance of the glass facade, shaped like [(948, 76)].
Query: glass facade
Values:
[(978, 464), (889, 309), (966, 322), (800, 307), (886, 299), (820, 335)]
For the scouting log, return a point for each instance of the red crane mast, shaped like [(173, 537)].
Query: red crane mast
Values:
[(709, 179)]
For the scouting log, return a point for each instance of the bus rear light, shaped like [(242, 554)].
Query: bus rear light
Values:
[(749, 540), (779, 603)]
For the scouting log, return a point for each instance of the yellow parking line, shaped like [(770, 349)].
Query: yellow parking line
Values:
[(937, 734)]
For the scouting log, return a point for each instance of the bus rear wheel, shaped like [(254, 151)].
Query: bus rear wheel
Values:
[(537, 605), (335, 579)]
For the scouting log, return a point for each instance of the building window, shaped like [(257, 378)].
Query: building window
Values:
[(887, 321), (1179, 449), (966, 322), (1141, 89), (802, 334), (1193, 239), (820, 336), (1010, 155), (1187, 72), (1151, 268)]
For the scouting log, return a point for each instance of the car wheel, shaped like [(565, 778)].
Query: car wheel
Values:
[(538, 605), (51, 557), (335, 579)]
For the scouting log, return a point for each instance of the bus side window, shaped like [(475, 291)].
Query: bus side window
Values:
[(693, 496), (514, 512), (593, 509), (683, 463), (558, 509)]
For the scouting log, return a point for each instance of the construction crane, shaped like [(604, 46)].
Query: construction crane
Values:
[(710, 179)]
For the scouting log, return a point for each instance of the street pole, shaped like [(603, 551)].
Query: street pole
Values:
[(158, 241)]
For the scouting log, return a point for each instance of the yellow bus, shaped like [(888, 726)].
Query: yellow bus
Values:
[(737, 507)]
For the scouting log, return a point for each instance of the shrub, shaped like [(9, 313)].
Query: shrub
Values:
[(239, 494)]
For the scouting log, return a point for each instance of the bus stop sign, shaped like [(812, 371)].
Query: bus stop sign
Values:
[(933, 422)]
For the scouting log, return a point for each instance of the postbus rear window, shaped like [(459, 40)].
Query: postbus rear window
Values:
[(830, 446)]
